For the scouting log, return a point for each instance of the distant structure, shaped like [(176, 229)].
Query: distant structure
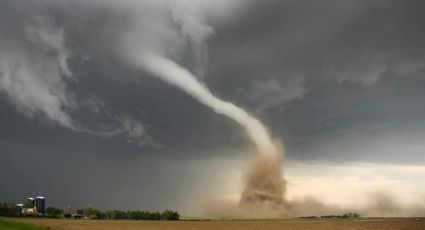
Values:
[(19, 208), (40, 204), (30, 199), (36, 205), (29, 211), (71, 213)]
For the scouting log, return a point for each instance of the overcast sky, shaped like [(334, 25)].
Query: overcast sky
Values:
[(341, 84)]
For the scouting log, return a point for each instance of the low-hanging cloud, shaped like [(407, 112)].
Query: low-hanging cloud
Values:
[(33, 69), (35, 74)]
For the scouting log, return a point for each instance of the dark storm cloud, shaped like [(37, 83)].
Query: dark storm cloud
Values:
[(99, 75), (106, 95), (354, 40), (350, 121), (325, 76), (335, 79)]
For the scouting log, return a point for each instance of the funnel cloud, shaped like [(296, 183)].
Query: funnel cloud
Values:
[(264, 183), (216, 108)]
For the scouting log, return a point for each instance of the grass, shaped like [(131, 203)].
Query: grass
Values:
[(9, 225)]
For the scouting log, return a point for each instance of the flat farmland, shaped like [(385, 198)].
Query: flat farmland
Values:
[(60, 224)]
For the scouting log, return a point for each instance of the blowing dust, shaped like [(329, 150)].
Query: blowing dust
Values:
[(263, 194)]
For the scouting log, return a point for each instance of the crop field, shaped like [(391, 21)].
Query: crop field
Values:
[(60, 224), (11, 225)]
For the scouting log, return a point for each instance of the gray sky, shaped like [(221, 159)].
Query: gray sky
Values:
[(336, 82)]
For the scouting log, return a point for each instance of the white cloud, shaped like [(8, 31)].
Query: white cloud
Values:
[(32, 71), (135, 131), (49, 37), (191, 19)]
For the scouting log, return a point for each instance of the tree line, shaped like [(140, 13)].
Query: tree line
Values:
[(351, 215), (129, 215), (9, 209)]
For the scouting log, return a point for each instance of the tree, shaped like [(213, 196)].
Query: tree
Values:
[(170, 215), (118, 214), (135, 215), (155, 216), (7, 209), (91, 212), (101, 215), (53, 212), (110, 214), (356, 215)]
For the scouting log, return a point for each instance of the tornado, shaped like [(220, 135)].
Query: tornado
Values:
[(174, 74), (264, 185)]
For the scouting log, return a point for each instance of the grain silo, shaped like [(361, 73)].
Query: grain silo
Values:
[(30, 199), (19, 209), (40, 203)]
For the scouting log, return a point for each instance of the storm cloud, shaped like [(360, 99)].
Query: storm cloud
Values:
[(335, 81)]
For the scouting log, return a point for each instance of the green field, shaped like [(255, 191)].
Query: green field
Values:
[(9, 225)]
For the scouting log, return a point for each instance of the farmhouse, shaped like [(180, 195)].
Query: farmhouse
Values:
[(71, 213)]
